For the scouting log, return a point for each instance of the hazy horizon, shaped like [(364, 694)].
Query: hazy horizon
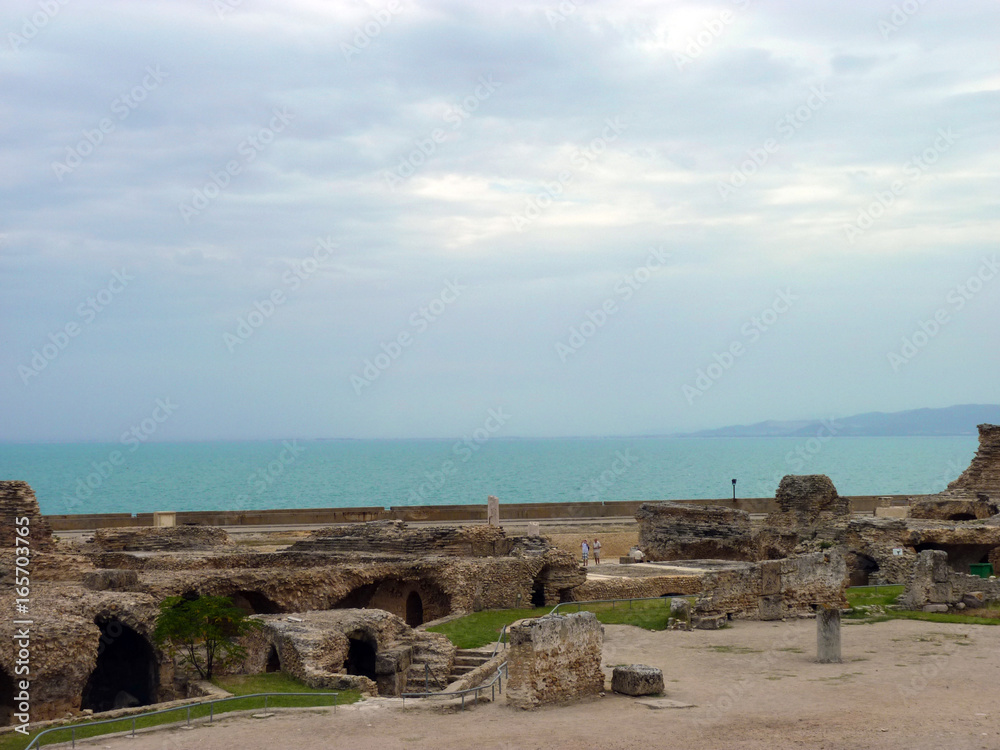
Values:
[(414, 220)]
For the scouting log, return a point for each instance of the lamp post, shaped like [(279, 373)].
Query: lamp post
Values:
[(734, 490)]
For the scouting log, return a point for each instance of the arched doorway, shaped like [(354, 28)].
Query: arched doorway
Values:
[(126, 673), (860, 569), (6, 699), (360, 655), (273, 660), (414, 610), (254, 603), (537, 594)]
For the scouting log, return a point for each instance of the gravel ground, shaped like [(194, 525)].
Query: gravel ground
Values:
[(903, 684)]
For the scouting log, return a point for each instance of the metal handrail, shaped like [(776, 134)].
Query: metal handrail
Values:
[(495, 684), (36, 741)]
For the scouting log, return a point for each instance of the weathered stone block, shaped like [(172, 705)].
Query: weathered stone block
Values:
[(974, 599), (770, 578), (637, 679), (554, 659), (680, 609), (771, 607), (935, 608), (709, 622), (681, 531), (828, 635)]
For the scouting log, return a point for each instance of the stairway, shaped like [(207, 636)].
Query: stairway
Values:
[(466, 660)]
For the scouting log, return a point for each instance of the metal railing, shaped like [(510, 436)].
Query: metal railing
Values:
[(36, 742), (495, 685)]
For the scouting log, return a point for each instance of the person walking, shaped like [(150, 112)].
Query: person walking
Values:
[(597, 552), (586, 551)]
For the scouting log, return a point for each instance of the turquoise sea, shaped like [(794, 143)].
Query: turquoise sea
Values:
[(116, 478)]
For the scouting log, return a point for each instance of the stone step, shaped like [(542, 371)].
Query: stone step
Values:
[(471, 661), (458, 671)]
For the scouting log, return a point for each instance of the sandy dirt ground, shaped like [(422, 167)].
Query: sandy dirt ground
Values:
[(903, 684), (614, 544)]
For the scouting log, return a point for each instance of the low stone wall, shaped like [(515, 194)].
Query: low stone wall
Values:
[(774, 589), (161, 539), (676, 531), (933, 581), (636, 588), (554, 659)]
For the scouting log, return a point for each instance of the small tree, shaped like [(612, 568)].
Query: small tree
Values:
[(204, 630)]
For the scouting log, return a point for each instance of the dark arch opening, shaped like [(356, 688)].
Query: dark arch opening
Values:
[(358, 598), (360, 656), (254, 603), (861, 568), (414, 610), (962, 517), (273, 661), (126, 673), (6, 699), (537, 593)]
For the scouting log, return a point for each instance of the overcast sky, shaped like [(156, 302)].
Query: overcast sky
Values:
[(324, 219)]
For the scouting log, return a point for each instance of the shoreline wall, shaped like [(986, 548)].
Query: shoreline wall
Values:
[(417, 513)]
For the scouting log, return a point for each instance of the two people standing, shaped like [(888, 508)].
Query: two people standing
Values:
[(586, 549)]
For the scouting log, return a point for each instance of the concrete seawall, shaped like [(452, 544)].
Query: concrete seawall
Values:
[(431, 513)]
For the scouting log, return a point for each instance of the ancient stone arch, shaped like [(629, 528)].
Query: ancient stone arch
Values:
[(126, 672), (255, 603), (362, 649), (414, 609)]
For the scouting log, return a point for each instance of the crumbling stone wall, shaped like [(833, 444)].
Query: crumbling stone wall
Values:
[(17, 500), (394, 537), (161, 539), (934, 581), (808, 504), (942, 508), (681, 531), (554, 659), (983, 474), (314, 647), (773, 589)]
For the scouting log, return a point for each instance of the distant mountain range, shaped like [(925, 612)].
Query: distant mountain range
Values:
[(951, 420)]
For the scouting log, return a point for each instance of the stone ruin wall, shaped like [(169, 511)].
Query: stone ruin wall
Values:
[(554, 659), (161, 539), (933, 581), (17, 500), (983, 473), (774, 589), (681, 531)]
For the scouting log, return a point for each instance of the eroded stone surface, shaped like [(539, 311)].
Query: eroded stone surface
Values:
[(554, 659), (637, 679)]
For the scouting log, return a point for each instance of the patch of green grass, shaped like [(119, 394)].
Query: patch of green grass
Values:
[(482, 628), (879, 597), (734, 650), (238, 685)]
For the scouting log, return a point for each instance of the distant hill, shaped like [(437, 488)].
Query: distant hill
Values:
[(951, 420)]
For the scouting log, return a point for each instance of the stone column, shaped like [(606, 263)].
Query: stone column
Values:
[(828, 635), (493, 511)]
